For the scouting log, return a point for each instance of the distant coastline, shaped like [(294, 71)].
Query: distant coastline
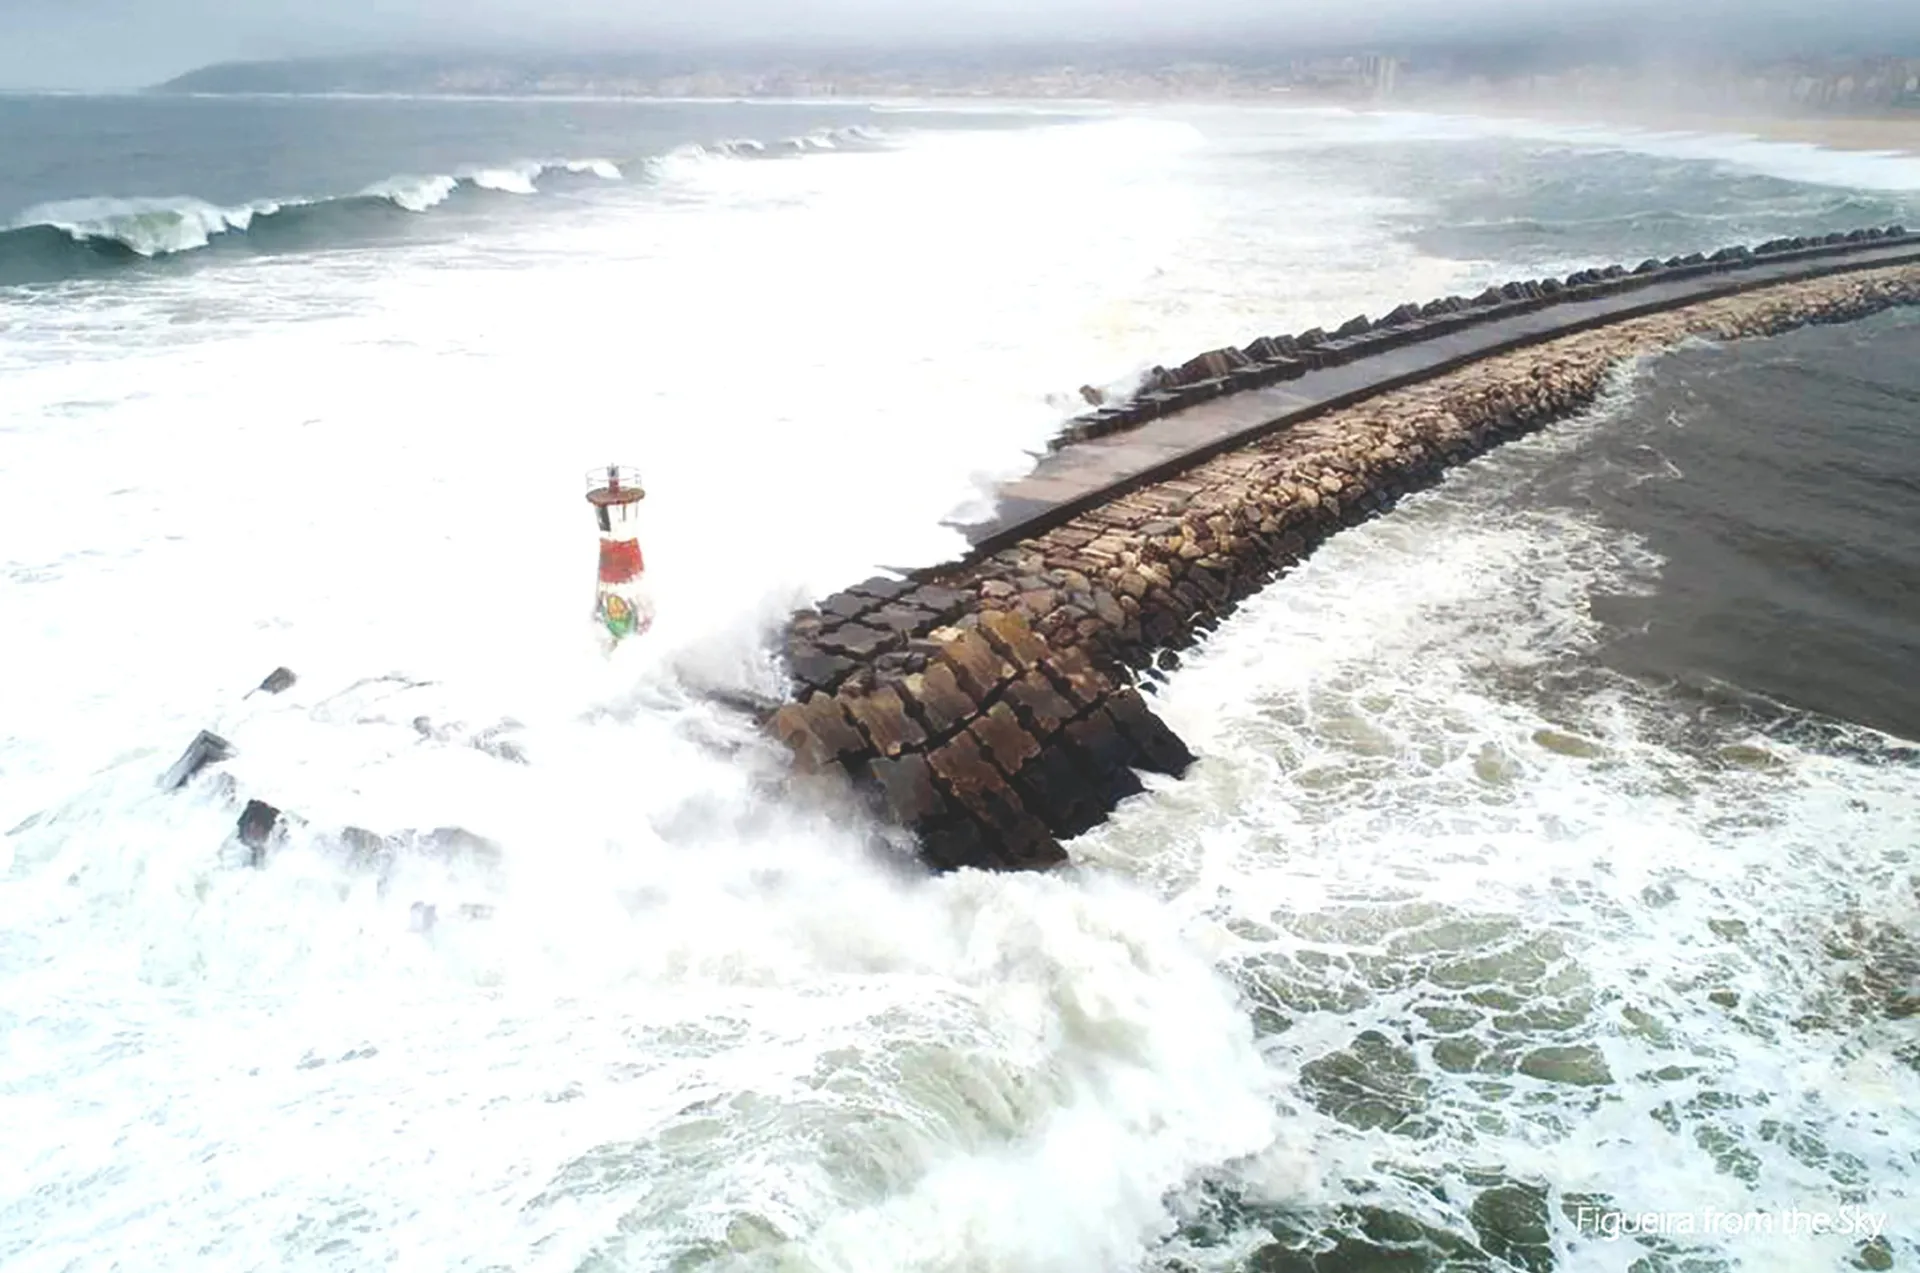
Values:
[(1868, 105)]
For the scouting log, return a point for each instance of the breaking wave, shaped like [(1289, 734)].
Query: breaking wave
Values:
[(71, 238), (53, 242)]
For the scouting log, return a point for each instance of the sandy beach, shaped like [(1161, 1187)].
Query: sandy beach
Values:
[(1896, 133), (1886, 134)]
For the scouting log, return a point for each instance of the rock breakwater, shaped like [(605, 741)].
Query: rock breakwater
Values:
[(991, 706), (1275, 359)]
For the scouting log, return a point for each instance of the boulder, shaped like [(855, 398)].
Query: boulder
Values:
[(205, 749), (277, 680), (256, 824)]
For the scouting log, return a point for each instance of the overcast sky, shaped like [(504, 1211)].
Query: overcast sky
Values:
[(126, 43)]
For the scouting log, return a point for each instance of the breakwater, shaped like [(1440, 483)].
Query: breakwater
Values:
[(990, 704)]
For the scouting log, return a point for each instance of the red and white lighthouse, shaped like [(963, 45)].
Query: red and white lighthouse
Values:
[(622, 605)]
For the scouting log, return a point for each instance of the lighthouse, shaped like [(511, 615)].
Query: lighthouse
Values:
[(621, 604)]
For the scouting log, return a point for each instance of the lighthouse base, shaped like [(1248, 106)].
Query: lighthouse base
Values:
[(622, 612)]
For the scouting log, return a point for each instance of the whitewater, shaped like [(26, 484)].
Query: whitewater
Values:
[(599, 991)]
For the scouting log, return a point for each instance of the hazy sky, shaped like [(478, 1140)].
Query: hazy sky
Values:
[(124, 43)]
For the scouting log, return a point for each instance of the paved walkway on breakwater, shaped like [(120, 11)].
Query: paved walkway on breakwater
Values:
[(1089, 472), (988, 704)]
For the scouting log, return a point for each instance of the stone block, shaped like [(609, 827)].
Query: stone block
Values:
[(1015, 838), (1005, 739), (957, 844), (1056, 789), (1021, 840), (1158, 747), (1106, 756), (938, 600), (816, 668), (883, 718), (817, 732), (857, 640), (1069, 668), (903, 619), (971, 656), (907, 785), (880, 588), (937, 695), (1039, 704), (847, 605), (965, 769), (1013, 638)]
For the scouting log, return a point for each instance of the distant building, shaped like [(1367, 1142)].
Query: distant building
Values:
[(1380, 73)]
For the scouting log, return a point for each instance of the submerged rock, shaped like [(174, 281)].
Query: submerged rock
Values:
[(1581, 1066), (1511, 1221), (1745, 756), (1568, 744), (1374, 1083)]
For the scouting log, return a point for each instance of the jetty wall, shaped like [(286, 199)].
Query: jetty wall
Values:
[(991, 705)]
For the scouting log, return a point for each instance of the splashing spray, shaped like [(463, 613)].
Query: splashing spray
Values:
[(622, 605)]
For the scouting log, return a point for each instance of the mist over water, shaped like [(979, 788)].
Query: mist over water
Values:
[(1496, 893)]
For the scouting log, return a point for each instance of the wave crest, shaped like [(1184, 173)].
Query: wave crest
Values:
[(57, 241), (413, 194), (145, 227)]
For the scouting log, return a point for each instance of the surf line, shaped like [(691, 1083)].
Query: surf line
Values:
[(991, 705)]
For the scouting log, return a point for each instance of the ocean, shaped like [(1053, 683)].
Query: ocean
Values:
[(1545, 896)]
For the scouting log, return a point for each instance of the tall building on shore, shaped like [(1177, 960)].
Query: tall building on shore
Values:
[(1381, 73)]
